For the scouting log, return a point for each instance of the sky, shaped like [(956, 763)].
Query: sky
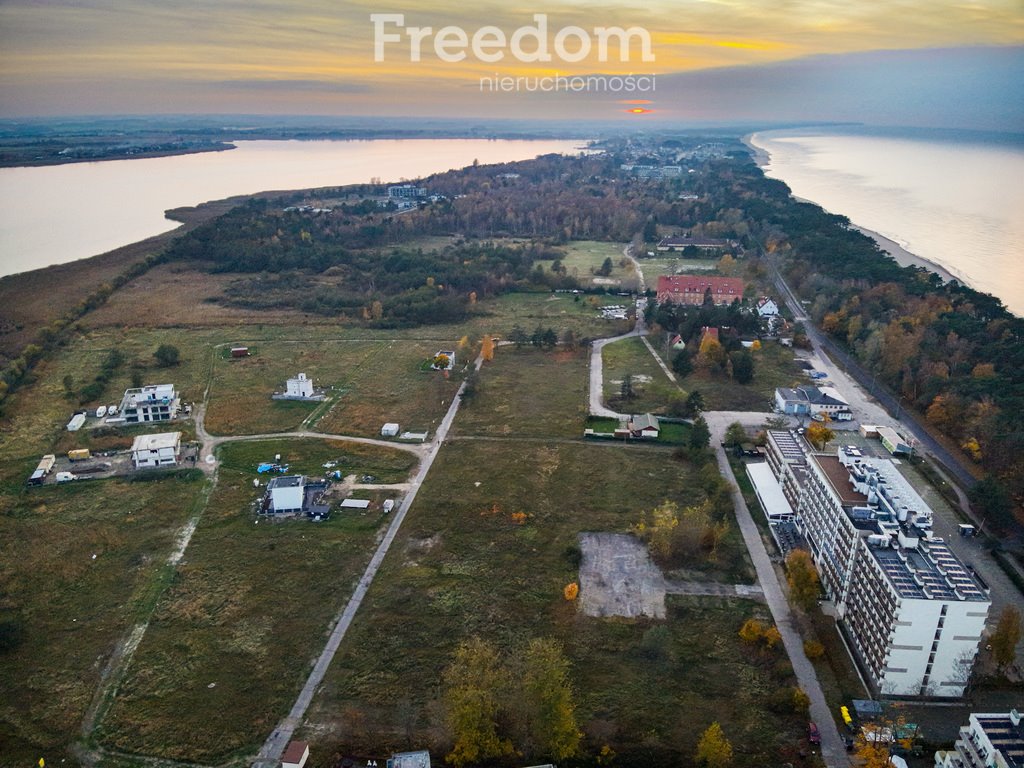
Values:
[(946, 63)]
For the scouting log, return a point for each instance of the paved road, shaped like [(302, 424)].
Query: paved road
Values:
[(270, 754), (833, 749), (851, 370)]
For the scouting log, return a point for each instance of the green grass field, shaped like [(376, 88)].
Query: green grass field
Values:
[(652, 389), (773, 367), (240, 393), (235, 634), (528, 393), (463, 566), (584, 257)]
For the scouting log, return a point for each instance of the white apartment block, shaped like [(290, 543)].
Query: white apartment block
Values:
[(987, 741), (155, 402), (912, 611)]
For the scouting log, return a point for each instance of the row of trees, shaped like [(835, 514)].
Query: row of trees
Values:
[(500, 705), (954, 354)]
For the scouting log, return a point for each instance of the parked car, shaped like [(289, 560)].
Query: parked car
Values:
[(813, 735)]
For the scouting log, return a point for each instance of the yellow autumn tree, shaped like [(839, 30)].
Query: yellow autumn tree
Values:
[(571, 591), (713, 749), (658, 529), (752, 631), (802, 577), (487, 348), (473, 688), (549, 700), (711, 352), (819, 434), (464, 343)]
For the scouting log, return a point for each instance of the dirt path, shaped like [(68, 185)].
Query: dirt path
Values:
[(270, 754)]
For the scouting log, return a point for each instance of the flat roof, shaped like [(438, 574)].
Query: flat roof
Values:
[(788, 444), (156, 442), (288, 481), (839, 478), (768, 490)]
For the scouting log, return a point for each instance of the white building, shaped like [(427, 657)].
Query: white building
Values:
[(913, 613), (391, 429), (300, 386), (154, 402), (811, 401), (159, 450), (406, 190), (766, 307), (987, 741), (286, 493)]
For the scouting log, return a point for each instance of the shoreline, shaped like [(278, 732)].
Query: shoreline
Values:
[(900, 255), (904, 257)]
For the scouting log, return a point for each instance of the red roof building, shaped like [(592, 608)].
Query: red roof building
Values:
[(691, 289), (295, 755)]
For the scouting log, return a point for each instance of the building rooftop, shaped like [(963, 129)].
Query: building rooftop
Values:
[(897, 522), (156, 441), (151, 393), (288, 481), (644, 421), (839, 478), (294, 752), (788, 445), (816, 395), (668, 284)]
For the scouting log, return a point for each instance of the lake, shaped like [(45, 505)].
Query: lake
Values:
[(55, 214)]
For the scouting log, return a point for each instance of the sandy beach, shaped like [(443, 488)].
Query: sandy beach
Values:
[(904, 257)]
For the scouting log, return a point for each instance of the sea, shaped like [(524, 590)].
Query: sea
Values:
[(954, 201), (61, 213)]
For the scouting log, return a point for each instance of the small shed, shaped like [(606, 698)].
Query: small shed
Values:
[(295, 754), (389, 430), (645, 426), (239, 351), (355, 504)]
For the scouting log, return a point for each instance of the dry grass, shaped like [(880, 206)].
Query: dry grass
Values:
[(462, 566), (73, 606), (240, 394), (232, 640), (393, 385)]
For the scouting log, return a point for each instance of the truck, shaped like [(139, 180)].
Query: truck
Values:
[(79, 454), (42, 469)]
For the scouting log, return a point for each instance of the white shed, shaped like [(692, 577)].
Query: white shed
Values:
[(389, 430)]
